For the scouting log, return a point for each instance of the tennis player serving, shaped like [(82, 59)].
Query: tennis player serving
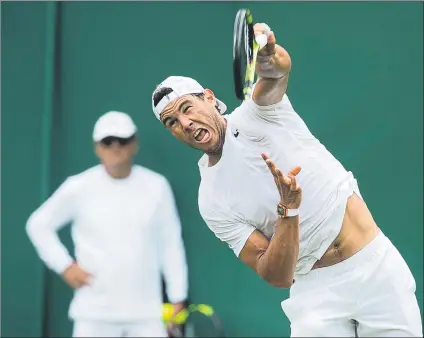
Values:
[(289, 209)]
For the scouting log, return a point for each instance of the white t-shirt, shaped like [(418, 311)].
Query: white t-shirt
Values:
[(126, 232), (239, 195)]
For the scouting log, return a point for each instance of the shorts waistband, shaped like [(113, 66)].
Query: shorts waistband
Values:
[(376, 248)]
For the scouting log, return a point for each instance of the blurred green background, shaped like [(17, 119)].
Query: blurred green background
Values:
[(356, 80)]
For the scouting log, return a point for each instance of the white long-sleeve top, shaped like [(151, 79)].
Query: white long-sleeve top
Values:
[(126, 232)]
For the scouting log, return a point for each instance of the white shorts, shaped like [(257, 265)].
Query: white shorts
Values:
[(95, 328), (371, 294)]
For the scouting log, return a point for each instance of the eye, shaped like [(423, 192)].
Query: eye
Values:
[(186, 108), (171, 122)]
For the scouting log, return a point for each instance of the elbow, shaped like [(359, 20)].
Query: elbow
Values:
[(283, 279), (29, 228), (33, 226), (282, 283)]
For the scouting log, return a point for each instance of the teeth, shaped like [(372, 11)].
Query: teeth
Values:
[(197, 132)]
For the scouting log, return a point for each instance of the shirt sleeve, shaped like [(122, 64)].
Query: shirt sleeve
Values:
[(272, 111), (174, 264), (252, 115), (233, 232), (44, 223)]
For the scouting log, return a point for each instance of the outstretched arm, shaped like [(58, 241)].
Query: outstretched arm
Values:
[(273, 66)]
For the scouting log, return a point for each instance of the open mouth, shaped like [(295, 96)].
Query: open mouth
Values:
[(202, 135)]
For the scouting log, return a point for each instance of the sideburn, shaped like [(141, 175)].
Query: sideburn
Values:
[(221, 128)]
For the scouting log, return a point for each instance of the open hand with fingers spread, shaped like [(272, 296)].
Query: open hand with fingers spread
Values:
[(290, 191)]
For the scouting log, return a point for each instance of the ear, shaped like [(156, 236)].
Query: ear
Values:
[(209, 96), (97, 149), (136, 148)]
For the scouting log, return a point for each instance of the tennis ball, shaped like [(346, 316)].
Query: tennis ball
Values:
[(168, 311), (181, 317)]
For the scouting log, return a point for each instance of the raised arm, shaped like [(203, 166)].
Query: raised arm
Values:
[(273, 66), (275, 260)]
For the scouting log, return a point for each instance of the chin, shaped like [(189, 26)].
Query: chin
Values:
[(212, 149), (115, 164)]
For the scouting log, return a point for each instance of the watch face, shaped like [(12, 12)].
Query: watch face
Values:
[(285, 212), (281, 211)]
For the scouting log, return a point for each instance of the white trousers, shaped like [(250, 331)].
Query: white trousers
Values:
[(94, 328), (371, 294)]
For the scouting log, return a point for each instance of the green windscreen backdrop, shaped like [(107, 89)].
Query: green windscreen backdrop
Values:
[(356, 81)]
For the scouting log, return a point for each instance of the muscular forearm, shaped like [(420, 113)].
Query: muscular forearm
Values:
[(278, 262), (273, 72)]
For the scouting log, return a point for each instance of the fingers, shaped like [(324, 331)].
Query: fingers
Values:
[(264, 156), (295, 171), (282, 178), (261, 28), (279, 178), (86, 278), (83, 278), (269, 163), (293, 183), (265, 38), (76, 277), (270, 46)]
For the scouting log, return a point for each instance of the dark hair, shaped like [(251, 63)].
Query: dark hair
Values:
[(163, 91), (160, 93)]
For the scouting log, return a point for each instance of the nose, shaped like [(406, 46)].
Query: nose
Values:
[(115, 145), (186, 123)]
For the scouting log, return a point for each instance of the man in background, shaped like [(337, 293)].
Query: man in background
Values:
[(126, 233)]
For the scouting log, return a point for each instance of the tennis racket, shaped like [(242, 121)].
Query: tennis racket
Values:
[(197, 320), (245, 51)]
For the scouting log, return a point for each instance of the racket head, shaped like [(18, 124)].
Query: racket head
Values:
[(243, 39)]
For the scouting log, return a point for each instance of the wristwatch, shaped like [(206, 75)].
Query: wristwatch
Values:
[(284, 212)]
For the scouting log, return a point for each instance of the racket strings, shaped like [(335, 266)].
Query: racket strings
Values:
[(199, 325), (250, 37), (244, 54)]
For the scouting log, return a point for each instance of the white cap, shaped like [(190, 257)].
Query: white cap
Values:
[(180, 86), (114, 123)]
